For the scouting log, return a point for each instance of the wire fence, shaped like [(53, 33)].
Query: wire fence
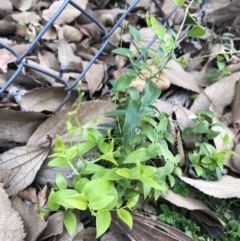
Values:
[(21, 63)]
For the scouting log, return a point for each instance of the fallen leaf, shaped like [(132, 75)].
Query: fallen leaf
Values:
[(22, 123), (56, 125), (226, 187), (40, 99), (180, 77), (94, 76), (29, 194), (86, 233), (11, 225), (219, 94), (69, 13), (33, 223), (235, 108), (23, 5), (54, 226), (24, 162), (113, 236)]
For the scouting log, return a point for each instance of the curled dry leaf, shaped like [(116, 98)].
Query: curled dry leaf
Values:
[(219, 94), (226, 187), (11, 225), (69, 13), (24, 162), (179, 77), (22, 123), (235, 162), (29, 194), (40, 99), (55, 125), (161, 80), (189, 203), (54, 226), (33, 223)]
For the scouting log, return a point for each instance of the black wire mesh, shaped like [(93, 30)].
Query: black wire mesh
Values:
[(21, 63)]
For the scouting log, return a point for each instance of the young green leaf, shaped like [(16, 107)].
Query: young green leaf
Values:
[(178, 2), (51, 202), (61, 181), (70, 222), (124, 52), (100, 202), (125, 216), (135, 33), (103, 220)]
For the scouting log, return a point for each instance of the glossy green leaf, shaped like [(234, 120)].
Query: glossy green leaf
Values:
[(196, 31), (178, 2), (100, 202), (126, 217), (70, 222), (124, 172), (59, 145), (103, 220), (61, 181), (132, 201), (198, 170)]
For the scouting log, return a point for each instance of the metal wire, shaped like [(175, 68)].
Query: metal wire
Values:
[(21, 62)]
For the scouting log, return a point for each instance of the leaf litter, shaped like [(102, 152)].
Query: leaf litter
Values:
[(27, 108)]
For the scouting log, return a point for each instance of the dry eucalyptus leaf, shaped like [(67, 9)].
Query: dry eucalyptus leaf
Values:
[(94, 76), (40, 99), (226, 187), (54, 226), (68, 15), (219, 94), (33, 223), (179, 77), (164, 106), (56, 125), (24, 162), (18, 126), (11, 225)]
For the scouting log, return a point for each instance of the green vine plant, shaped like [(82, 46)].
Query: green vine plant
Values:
[(119, 162)]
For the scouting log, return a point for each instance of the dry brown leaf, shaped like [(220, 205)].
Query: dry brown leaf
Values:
[(11, 225), (219, 94), (23, 5), (24, 162), (43, 77), (26, 17), (164, 106), (55, 125), (184, 120), (54, 226), (67, 58), (42, 195), (65, 235), (71, 34), (226, 187), (86, 233), (189, 203), (29, 194), (236, 159), (141, 4), (6, 57), (113, 236), (33, 223), (40, 99), (180, 77), (4, 175), (7, 27), (5, 7), (225, 13), (18, 126), (49, 59), (69, 13), (94, 76), (146, 229)]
